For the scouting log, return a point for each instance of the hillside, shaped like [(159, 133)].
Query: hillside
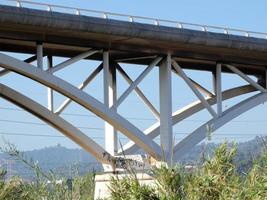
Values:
[(67, 162)]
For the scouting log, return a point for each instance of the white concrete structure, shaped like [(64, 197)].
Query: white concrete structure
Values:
[(166, 150), (110, 98), (48, 34), (165, 95), (103, 183), (169, 46)]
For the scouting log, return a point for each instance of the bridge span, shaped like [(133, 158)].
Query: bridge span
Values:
[(47, 33)]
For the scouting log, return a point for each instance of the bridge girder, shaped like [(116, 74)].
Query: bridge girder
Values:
[(82, 99), (107, 110)]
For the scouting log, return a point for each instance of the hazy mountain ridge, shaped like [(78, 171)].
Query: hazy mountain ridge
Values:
[(67, 162)]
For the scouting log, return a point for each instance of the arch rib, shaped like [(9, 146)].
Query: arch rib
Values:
[(84, 100), (87, 81), (28, 60), (187, 111), (57, 122), (199, 134)]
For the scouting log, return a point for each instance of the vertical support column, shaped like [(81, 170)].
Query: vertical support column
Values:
[(214, 84), (219, 88), (39, 54), (166, 135), (110, 96), (50, 95)]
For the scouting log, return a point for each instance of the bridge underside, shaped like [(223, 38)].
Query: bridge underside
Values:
[(69, 35), (114, 43)]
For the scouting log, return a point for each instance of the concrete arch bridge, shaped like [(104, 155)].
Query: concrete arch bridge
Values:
[(46, 34)]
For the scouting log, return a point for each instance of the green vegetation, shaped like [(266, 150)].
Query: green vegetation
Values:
[(216, 177), (46, 186), (66, 162), (16, 189)]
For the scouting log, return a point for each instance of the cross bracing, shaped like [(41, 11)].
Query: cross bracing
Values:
[(115, 47)]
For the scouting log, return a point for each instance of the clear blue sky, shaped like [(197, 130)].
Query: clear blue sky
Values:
[(249, 15)]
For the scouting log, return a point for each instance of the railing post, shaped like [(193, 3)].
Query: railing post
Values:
[(166, 134), (156, 22), (131, 19), (49, 8), (78, 12), (225, 31), (18, 4), (180, 25)]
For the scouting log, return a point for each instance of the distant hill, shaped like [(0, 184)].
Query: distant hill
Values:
[(69, 162), (247, 152), (61, 160)]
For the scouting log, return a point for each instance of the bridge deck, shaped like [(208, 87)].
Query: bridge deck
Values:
[(67, 35)]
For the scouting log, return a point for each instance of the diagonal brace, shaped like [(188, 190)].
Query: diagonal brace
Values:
[(246, 78), (90, 78), (187, 111), (191, 85), (138, 92), (136, 82), (72, 60), (198, 86), (85, 100)]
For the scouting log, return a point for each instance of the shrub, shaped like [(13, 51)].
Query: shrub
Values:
[(217, 179), (170, 182), (255, 184), (128, 188)]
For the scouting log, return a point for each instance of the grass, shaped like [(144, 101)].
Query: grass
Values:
[(215, 178)]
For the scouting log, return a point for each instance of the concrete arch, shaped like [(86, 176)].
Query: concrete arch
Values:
[(187, 111), (200, 133), (84, 100), (57, 122)]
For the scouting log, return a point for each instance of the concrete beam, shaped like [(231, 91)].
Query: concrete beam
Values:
[(152, 109), (57, 122), (110, 98), (72, 60), (28, 60), (246, 78), (136, 82), (219, 88), (198, 86), (166, 134), (80, 30), (187, 111), (201, 133), (50, 93), (39, 54), (85, 100), (87, 81), (192, 87)]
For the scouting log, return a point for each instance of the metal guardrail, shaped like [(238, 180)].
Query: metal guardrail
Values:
[(133, 18)]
